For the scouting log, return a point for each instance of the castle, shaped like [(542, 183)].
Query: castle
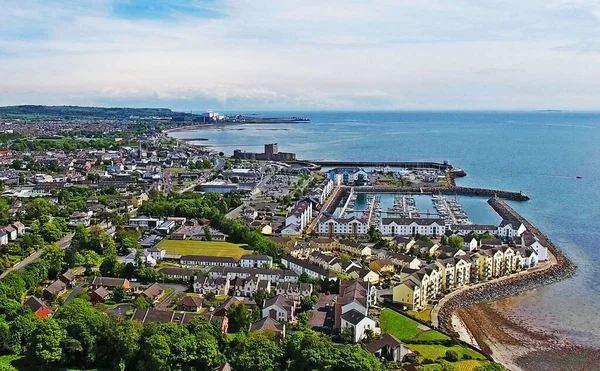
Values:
[(271, 154)]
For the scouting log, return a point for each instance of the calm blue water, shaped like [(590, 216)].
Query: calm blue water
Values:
[(540, 153)]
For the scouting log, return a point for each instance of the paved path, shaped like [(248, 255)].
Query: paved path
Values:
[(63, 242)]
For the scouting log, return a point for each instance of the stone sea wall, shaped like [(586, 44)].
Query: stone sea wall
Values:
[(491, 291)]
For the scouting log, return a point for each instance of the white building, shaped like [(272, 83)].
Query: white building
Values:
[(279, 308), (300, 215), (412, 226), (256, 261), (353, 225), (359, 324), (511, 228)]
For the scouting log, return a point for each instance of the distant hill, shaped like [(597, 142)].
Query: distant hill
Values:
[(88, 112)]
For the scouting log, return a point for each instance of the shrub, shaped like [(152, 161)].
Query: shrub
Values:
[(451, 356), (467, 356), (426, 361)]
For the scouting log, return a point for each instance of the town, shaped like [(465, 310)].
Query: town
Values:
[(242, 252)]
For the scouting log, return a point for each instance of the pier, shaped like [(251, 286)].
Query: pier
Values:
[(426, 165), (347, 201), (454, 190)]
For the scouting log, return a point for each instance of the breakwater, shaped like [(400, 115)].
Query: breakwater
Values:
[(425, 165), (452, 190), (511, 286)]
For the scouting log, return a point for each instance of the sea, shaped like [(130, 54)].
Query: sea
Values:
[(541, 153)]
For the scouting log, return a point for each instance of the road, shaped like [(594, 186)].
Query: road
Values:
[(63, 242), (76, 290)]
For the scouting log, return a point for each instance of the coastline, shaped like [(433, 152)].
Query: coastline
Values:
[(507, 340)]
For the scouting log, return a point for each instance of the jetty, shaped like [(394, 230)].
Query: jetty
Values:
[(452, 190), (425, 165)]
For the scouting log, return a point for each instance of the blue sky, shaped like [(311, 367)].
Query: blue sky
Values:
[(287, 54)]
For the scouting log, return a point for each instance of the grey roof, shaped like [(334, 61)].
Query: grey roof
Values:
[(353, 316)]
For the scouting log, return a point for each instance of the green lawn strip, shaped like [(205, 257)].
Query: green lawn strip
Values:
[(204, 248), (398, 325), (435, 351), (432, 335)]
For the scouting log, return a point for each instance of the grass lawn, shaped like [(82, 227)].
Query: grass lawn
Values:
[(398, 325), (432, 335), (433, 352), (206, 248), (424, 315), (460, 366)]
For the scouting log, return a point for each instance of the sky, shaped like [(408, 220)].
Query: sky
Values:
[(302, 54)]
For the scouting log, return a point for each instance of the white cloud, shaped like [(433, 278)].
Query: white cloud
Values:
[(305, 54)]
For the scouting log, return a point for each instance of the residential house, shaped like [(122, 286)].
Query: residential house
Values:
[(256, 261), (388, 348), (11, 232), (79, 218), (153, 292), (408, 293), (359, 323), (412, 226), (329, 225), (109, 282), (311, 270), (180, 274), (38, 307), (99, 295), (208, 261), (466, 229), (19, 227), (54, 290), (279, 308), (271, 325), (67, 278), (3, 237), (510, 228), (351, 176), (294, 291), (190, 304), (382, 265), (470, 243), (204, 285)]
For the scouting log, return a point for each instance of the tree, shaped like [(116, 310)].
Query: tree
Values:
[(354, 358), (260, 297), (50, 232), (257, 351), (46, 342), (155, 354), (209, 355), (207, 234), (347, 335), (304, 278), (446, 366), (142, 303), (239, 318), (456, 242), (210, 296), (307, 302), (451, 356), (490, 366), (119, 293), (81, 238), (444, 240), (374, 234)]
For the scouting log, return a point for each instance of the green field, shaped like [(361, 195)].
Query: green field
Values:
[(432, 335), (204, 248), (398, 325)]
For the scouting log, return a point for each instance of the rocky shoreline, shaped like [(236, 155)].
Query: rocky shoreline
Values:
[(562, 269)]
